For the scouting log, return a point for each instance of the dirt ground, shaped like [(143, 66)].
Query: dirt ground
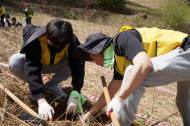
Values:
[(157, 107)]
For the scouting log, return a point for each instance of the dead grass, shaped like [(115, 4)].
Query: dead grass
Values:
[(157, 107), (156, 110)]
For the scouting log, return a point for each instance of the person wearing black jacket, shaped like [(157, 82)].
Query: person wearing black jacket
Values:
[(49, 50)]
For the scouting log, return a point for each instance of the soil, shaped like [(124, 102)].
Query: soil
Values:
[(157, 107)]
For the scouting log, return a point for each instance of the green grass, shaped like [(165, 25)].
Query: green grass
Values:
[(176, 13)]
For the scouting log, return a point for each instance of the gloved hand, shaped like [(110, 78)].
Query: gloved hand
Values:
[(116, 105), (71, 104), (45, 111), (86, 117), (75, 102)]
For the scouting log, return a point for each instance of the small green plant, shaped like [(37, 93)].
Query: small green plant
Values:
[(176, 13), (111, 3), (69, 14)]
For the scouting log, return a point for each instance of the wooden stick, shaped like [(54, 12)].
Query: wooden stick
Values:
[(108, 99), (18, 101), (1, 109)]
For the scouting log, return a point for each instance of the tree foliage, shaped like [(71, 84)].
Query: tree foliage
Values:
[(176, 13), (111, 3)]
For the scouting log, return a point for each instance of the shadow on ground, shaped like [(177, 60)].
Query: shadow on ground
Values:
[(80, 9), (60, 116)]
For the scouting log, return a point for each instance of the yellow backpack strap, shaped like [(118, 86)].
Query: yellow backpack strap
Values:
[(121, 29), (125, 27)]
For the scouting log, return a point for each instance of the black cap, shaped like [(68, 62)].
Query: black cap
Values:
[(94, 44)]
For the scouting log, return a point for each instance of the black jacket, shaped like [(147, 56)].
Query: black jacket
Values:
[(32, 67)]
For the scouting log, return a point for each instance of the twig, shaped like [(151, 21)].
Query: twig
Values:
[(161, 120), (1, 109), (153, 101), (94, 119), (18, 101), (4, 106), (4, 64), (97, 116)]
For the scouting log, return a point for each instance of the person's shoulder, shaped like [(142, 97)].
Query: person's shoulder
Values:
[(75, 39), (126, 33), (121, 36)]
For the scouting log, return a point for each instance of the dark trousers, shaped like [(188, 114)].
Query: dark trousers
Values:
[(28, 20), (183, 101)]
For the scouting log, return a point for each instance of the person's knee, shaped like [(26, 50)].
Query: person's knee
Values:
[(16, 63)]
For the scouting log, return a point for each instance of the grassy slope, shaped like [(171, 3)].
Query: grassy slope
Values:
[(155, 106)]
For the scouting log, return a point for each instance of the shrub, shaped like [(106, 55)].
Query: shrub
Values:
[(111, 3), (176, 13)]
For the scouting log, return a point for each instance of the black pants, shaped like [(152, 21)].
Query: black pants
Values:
[(28, 20), (2, 20), (8, 23)]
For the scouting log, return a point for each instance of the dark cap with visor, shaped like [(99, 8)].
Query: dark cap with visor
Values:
[(94, 44)]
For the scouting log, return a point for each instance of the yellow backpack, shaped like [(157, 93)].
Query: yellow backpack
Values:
[(155, 41)]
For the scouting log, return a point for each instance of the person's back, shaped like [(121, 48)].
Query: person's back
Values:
[(155, 41), (162, 40), (28, 11)]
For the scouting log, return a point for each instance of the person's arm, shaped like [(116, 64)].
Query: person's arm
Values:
[(141, 67), (113, 87), (130, 46), (76, 65), (77, 72), (32, 69)]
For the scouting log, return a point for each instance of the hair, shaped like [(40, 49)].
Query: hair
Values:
[(14, 20), (7, 16), (60, 30)]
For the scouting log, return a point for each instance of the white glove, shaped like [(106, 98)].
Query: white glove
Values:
[(71, 105), (116, 105), (45, 111)]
